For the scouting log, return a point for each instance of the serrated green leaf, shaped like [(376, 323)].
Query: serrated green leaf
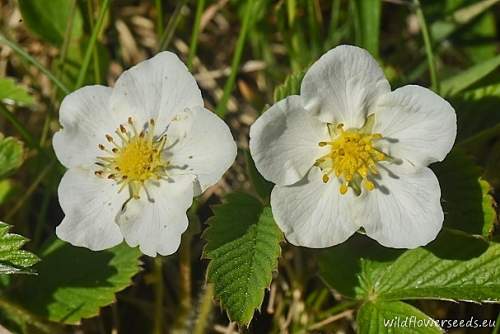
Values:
[(394, 317), (291, 86), (458, 83), (49, 19), (456, 266), (11, 154), (467, 201), (14, 260), (74, 282), (243, 246), (11, 91), (261, 185)]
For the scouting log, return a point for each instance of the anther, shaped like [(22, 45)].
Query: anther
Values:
[(326, 178), (343, 188), (101, 147), (122, 129), (109, 138), (322, 143)]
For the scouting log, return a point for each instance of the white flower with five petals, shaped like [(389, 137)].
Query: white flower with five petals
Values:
[(347, 153), (136, 155)]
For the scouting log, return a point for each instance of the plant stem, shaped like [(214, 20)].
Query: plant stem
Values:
[(20, 202), (159, 292), (95, 55), (159, 17), (23, 131), (235, 64), (18, 312), (205, 310), (200, 4), (34, 62), (90, 47), (167, 35), (428, 46)]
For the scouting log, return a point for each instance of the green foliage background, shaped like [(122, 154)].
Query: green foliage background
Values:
[(234, 271)]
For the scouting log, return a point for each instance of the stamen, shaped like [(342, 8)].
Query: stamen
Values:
[(352, 158)]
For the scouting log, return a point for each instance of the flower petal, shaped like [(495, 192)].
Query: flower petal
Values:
[(404, 210), (343, 86), (201, 144), (312, 213), (420, 125), (157, 88), (284, 141), (91, 205), (86, 118), (157, 226)]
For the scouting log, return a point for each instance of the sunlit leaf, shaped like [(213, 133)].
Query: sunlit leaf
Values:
[(14, 260), (243, 245), (11, 154), (291, 86), (11, 91)]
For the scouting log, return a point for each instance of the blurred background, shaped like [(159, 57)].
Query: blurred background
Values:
[(240, 53)]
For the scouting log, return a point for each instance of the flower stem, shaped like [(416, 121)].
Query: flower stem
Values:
[(23, 131), (90, 47), (159, 292), (159, 17), (27, 57), (200, 4), (205, 310), (428, 46), (23, 315), (235, 64), (168, 33)]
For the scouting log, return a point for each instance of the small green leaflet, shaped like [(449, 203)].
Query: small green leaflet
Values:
[(291, 86), (74, 282), (13, 260), (243, 245), (11, 91), (11, 154)]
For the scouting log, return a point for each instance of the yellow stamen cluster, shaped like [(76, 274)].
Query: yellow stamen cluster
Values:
[(136, 158), (352, 158)]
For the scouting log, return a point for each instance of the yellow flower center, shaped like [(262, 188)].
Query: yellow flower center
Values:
[(134, 159), (352, 158)]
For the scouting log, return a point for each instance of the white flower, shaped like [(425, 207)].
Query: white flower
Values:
[(348, 154), (136, 155)]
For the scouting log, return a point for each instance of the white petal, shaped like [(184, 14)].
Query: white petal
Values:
[(421, 126), (200, 144), (343, 85), (284, 141), (157, 88), (405, 211), (86, 118), (91, 205), (157, 226), (312, 213)]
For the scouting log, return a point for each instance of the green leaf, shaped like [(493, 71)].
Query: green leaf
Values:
[(11, 154), (369, 12), (13, 260), (243, 246), (291, 86), (456, 266), (5, 190), (261, 185), (74, 282), (467, 201), (394, 317), (463, 80), (49, 19), (10, 90)]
